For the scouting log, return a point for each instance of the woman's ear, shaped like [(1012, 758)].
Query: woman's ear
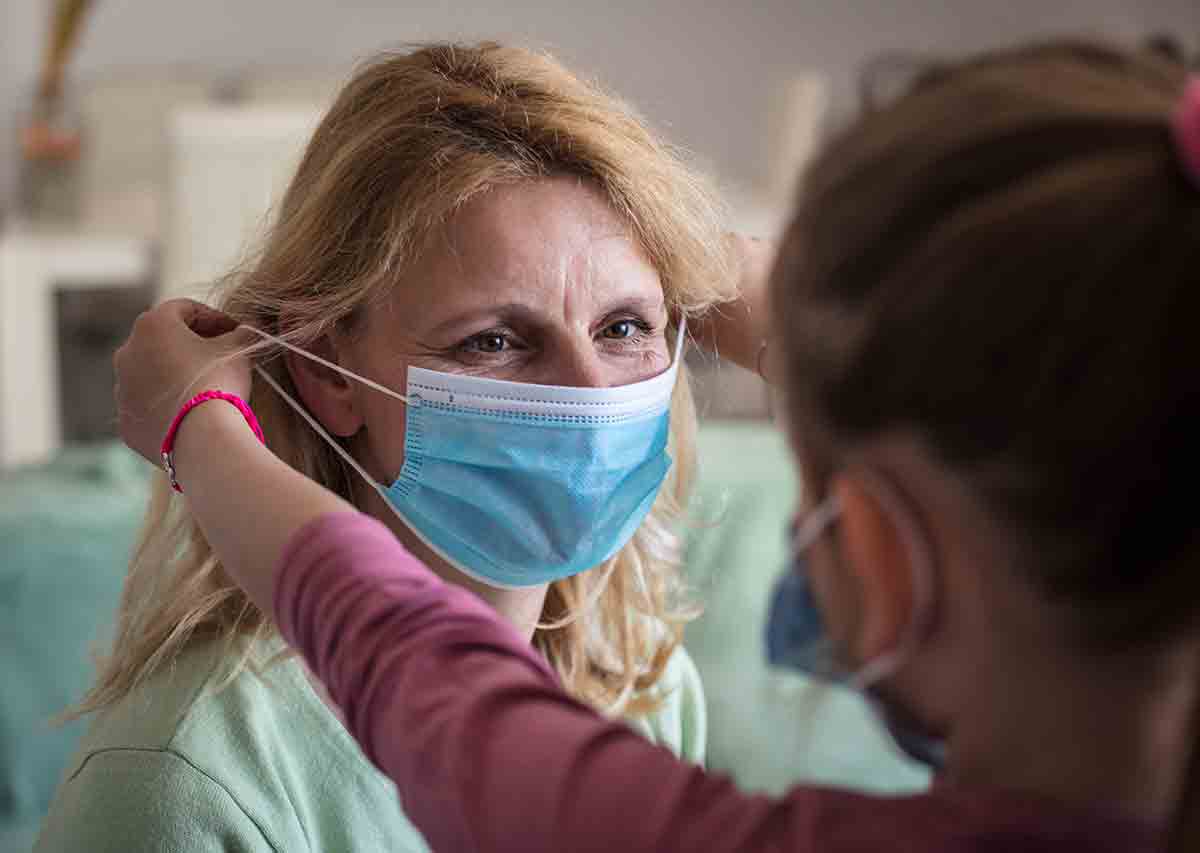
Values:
[(875, 549), (329, 395)]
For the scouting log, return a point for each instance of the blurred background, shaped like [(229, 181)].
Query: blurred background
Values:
[(141, 145), (141, 142)]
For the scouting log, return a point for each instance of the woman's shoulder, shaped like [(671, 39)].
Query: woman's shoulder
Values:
[(257, 756), (132, 800), (680, 722), (129, 786), (198, 698), (151, 714), (194, 700)]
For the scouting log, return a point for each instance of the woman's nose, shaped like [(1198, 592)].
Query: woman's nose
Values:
[(578, 365)]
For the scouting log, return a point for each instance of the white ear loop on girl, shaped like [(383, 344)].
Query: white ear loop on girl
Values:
[(915, 543)]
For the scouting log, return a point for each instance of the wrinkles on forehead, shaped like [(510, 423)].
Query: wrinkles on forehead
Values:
[(551, 250)]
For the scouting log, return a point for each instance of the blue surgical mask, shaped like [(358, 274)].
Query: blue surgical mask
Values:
[(516, 484), (797, 638)]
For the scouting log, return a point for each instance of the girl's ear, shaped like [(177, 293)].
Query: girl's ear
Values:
[(878, 555), (328, 394)]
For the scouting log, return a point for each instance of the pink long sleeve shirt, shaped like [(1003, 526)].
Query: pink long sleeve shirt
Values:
[(489, 754)]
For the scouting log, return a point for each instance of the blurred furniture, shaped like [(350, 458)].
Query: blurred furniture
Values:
[(123, 168), (66, 531), (126, 167), (67, 527), (93, 322), (36, 264), (51, 135), (227, 168), (169, 169)]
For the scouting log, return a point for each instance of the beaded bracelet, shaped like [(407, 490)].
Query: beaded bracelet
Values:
[(168, 445)]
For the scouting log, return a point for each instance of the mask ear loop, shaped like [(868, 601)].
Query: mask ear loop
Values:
[(349, 374), (316, 425), (814, 524), (680, 338), (308, 417), (916, 544)]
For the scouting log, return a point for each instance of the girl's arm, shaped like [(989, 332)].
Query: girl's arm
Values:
[(248, 502)]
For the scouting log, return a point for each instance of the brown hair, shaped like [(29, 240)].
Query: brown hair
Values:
[(410, 139), (1006, 262)]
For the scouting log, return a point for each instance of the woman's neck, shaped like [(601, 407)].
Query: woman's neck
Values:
[(522, 607)]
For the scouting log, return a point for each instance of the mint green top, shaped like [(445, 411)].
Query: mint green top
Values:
[(260, 765)]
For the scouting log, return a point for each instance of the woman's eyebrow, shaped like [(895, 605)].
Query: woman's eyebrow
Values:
[(515, 310), (524, 312), (644, 304)]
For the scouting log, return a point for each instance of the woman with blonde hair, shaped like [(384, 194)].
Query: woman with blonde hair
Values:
[(469, 226)]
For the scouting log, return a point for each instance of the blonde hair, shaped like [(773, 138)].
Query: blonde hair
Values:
[(411, 138)]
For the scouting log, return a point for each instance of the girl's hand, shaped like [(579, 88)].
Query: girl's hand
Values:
[(175, 351), (736, 330)]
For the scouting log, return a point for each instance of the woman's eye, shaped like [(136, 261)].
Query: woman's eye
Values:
[(491, 342), (622, 329)]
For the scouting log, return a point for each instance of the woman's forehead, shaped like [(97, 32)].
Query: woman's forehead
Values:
[(555, 245), (536, 222)]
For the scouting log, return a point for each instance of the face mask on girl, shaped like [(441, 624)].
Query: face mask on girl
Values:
[(517, 484), (798, 638)]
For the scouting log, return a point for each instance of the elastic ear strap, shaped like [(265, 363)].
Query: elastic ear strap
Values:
[(916, 544), (315, 424), (1185, 126), (314, 357), (679, 340), (815, 523)]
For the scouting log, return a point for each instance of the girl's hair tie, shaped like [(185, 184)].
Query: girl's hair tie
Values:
[(1185, 126)]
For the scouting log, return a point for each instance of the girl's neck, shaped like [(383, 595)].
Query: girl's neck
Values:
[(1113, 735)]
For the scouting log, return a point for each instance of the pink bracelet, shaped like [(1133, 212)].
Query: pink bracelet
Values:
[(168, 445)]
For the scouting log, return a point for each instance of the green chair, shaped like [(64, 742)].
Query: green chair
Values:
[(66, 532)]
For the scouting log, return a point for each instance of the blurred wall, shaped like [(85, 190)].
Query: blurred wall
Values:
[(706, 71)]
